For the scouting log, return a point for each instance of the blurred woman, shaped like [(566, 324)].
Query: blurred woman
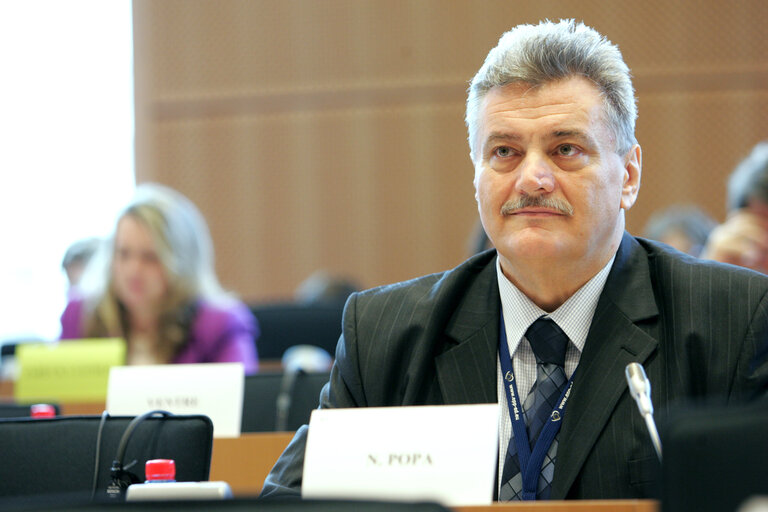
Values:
[(153, 284)]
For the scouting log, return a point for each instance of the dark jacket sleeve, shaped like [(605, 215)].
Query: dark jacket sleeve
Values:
[(343, 390)]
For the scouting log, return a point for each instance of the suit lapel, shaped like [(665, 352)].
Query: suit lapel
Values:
[(466, 371), (614, 340)]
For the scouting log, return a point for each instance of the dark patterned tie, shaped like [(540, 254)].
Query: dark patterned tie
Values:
[(549, 344)]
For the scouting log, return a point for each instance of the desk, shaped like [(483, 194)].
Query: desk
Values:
[(6, 389), (568, 506), (82, 409), (244, 463)]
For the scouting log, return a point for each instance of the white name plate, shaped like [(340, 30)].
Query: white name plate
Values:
[(213, 389), (446, 454)]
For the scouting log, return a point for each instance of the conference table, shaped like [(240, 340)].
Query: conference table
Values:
[(244, 462)]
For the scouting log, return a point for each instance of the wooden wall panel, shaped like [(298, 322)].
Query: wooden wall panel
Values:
[(329, 134), (696, 139)]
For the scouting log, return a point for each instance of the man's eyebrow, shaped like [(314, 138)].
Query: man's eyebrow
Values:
[(557, 134), (501, 136), (575, 134)]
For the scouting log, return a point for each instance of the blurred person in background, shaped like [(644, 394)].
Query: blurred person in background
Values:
[(743, 238), (154, 285), (684, 227), (74, 261), (478, 240), (323, 288)]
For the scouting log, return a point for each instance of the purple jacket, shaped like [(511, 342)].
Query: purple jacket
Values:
[(219, 334)]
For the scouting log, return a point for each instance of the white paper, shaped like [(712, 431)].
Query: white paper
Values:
[(213, 389), (442, 453)]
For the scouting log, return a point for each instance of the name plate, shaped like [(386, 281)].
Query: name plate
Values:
[(213, 389), (66, 371), (446, 454)]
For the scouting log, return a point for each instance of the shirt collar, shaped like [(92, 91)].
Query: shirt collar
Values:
[(574, 316)]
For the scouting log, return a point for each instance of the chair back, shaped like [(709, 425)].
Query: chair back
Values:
[(73, 455), (285, 324), (263, 390)]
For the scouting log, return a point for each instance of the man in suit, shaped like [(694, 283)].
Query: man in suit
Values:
[(551, 118)]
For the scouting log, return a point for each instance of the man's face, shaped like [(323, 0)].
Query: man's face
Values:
[(550, 186)]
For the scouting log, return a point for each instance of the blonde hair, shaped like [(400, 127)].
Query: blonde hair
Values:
[(185, 251)]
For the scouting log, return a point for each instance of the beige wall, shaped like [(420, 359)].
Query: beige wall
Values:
[(329, 133)]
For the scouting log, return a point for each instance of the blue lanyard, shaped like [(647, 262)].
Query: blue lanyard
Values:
[(530, 462)]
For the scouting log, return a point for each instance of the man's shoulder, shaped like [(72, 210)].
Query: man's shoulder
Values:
[(432, 287), (677, 266)]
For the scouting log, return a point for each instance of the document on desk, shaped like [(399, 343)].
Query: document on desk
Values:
[(445, 453), (213, 389)]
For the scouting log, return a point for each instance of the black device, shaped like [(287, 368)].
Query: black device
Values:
[(121, 477), (714, 457)]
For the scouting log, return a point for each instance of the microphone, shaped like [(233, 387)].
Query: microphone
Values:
[(296, 360), (306, 357), (640, 389)]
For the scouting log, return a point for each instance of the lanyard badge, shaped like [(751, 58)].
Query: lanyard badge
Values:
[(529, 461)]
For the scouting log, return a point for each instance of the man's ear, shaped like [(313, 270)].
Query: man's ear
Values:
[(633, 169)]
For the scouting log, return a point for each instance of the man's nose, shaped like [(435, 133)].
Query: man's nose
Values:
[(535, 175)]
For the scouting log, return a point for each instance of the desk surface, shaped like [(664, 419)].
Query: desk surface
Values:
[(244, 463), (568, 506)]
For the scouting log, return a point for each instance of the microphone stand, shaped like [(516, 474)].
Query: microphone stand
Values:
[(640, 389)]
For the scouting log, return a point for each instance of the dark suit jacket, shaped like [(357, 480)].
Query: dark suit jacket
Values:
[(699, 328)]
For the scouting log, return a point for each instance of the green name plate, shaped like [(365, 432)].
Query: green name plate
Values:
[(66, 371)]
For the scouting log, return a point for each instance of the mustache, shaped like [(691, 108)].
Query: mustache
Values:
[(559, 205)]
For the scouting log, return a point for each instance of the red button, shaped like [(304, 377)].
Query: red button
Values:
[(42, 411), (160, 469)]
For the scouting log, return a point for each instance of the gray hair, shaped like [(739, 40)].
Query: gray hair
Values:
[(686, 219), (547, 52), (750, 179), (80, 252)]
